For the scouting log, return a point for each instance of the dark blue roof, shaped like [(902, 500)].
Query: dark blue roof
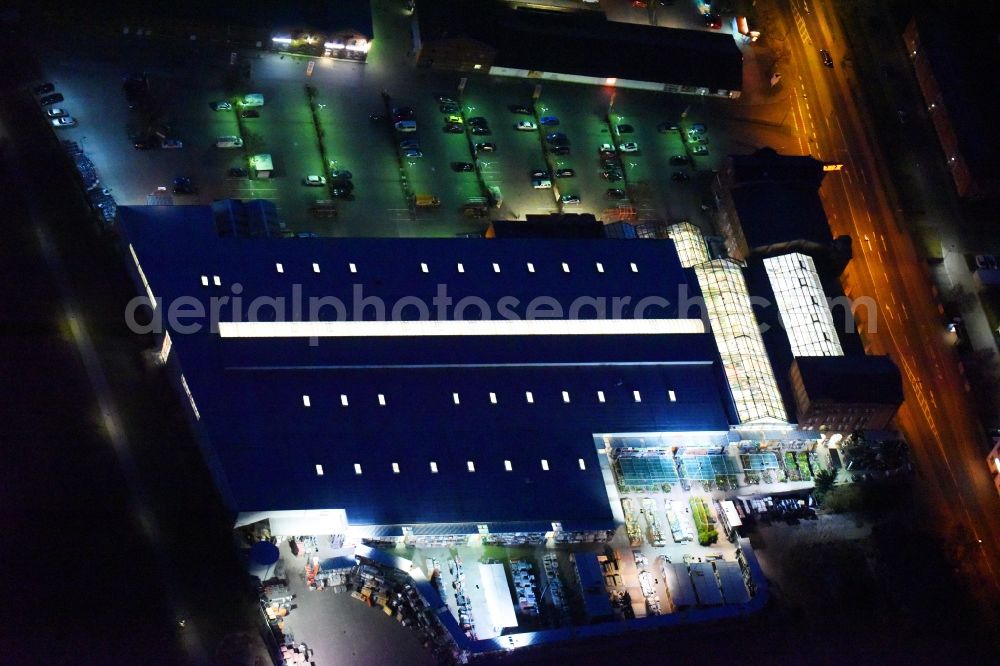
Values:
[(249, 391)]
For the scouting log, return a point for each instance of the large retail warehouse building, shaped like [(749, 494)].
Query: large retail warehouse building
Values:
[(347, 423)]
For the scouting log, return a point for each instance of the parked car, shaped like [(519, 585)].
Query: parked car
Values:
[(680, 176), (463, 166), (402, 113), (64, 121), (541, 184), (454, 119), (663, 128), (172, 144), (146, 143), (183, 185), (625, 129), (479, 121), (612, 175), (43, 88), (480, 130), (525, 126), (606, 149), (376, 117), (406, 126), (249, 113), (679, 160), (560, 150), (452, 128), (517, 108), (221, 106), (565, 173), (540, 173), (314, 181), (827, 59), (407, 144), (699, 127), (557, 138), (487, 147), (712, 20), (569, 199), (341, 174), (48, 100), (449, 108), (630, 147), (444, 99), (700, 151), (616, 194), (412, 152), (55, 112), (548, 121), (237, 173)]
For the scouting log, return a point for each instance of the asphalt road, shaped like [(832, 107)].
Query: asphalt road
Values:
[(936, 417)]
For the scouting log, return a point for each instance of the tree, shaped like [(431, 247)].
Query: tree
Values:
[(825, 479)]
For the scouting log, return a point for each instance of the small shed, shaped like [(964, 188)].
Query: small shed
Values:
[(261, 165)]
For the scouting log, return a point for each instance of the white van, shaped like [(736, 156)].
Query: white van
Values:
[(253, 99), (229, 142), (406, 126)]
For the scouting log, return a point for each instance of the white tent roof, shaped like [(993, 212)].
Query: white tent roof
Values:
[(498, 598)]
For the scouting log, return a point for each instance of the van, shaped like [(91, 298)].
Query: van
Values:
[(427, 201), (253, 99), (406, 126), (229, 142)]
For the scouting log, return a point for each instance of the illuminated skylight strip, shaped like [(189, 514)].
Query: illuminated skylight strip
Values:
[(802, 305), (142, 276), (489, 327), (744, 359)]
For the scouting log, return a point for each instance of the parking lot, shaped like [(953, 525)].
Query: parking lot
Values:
[(384, 183)]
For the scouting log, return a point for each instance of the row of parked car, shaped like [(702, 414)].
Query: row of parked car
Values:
[(57, 116)]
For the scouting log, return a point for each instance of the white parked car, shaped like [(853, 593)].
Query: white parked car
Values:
[(172, 143), (55, 113), (541, 184), (314, 181), (65, 121), (221, 106), (630, 147), (526, 126)]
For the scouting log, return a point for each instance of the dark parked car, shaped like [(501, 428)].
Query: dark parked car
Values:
[(565, 173), (663, 128), (611, 175), (679, 160), (43, 89), (540, 173), (237, 172), (550, 121), (341, 174), (183, 185), (249, 113), (560, 150), (680, 176), (402, 113), (449, 108), (453, 128), (827, 59), (625, 129), (488, 147), (517, 108), (478, 121), (463, 166), (146, 143), (480, 130), (616, 194), (557, 138), (51, 99)]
